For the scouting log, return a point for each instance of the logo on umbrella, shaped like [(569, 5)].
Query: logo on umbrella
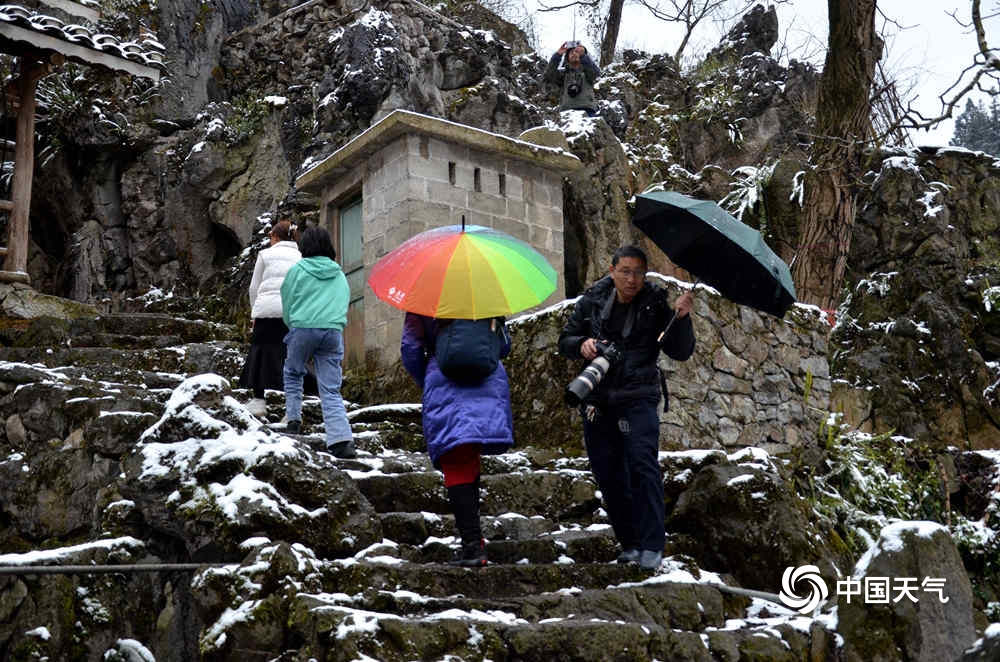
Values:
[(396, 295)]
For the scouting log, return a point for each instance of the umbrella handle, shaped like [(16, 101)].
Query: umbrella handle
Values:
[(663, 335)]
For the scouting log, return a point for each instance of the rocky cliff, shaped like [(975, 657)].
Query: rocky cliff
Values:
[(788, 442), (170, 192)]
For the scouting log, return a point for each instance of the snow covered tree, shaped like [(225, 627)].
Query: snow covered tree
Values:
[(978, 127), (843, 127)]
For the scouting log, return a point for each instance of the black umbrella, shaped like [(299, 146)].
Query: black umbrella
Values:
[(699, 236)]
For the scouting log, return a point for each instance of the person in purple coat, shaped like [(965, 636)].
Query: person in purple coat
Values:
[(461, 423)]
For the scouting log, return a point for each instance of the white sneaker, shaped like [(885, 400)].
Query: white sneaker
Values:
[(257, 407)]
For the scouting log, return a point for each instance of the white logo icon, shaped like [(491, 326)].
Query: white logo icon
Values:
[(396, 294), (817, 588)]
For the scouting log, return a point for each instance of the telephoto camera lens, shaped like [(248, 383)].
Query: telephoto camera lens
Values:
[(591, 376)]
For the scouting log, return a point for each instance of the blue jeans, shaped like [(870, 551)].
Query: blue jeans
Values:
[(623, 445), (326, 348)]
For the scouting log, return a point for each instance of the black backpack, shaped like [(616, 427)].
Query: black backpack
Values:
[(468, 351)]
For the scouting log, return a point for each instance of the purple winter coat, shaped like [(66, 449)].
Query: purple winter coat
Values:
[(455, 414)]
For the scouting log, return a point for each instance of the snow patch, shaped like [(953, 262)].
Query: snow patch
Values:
[(891, 540)]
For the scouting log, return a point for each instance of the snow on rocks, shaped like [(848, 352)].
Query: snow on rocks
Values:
[(207, 467)]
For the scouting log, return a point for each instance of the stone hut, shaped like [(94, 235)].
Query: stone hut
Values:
[(411, 172)]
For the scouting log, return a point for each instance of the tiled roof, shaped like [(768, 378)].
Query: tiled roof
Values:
[(147, 51)]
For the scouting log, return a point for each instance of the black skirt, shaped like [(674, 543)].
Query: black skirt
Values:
[(264, 364)]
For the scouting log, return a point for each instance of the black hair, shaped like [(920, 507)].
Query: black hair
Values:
[(629, 251), (565, 57), (315, 241)]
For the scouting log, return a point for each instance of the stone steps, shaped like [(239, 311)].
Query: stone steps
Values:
[(546, 549), (138, 348), (552, 590), (138, 364), (665, 603), (117, 330), (400, 640), (495, 581), (428, 537), (414, 528), (516, 613), (554, 495)]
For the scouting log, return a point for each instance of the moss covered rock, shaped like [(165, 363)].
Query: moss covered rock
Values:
[(741, 517), (208, 475), (915, 625)]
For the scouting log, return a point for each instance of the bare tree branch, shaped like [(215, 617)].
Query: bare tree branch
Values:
[(575, 3), (689, 13), (810, 50), (977, 20), (985, 64)]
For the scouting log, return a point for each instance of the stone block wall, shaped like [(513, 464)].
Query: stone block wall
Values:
[(419, 182), (754, 380)]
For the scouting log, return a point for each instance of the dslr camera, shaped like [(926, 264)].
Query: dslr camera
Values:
[(573, 89), (586, 381)]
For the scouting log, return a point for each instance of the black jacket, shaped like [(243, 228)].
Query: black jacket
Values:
[(635, 376)]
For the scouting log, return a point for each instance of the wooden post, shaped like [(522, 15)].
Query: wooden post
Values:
[(24, 166)]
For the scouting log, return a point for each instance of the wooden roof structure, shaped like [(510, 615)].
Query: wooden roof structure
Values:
[(42, 42)]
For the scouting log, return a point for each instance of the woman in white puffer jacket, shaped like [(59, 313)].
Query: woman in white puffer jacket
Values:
[(264, 364)]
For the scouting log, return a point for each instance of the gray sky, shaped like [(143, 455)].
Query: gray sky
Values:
[(927, 48)]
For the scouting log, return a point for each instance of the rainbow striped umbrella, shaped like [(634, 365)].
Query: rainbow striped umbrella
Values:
[(463, 271)]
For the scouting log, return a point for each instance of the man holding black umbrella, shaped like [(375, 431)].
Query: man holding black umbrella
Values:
[(623, 318)]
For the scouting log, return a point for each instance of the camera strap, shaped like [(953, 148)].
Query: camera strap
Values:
[(629, 321), (606, 311), (430, 337)]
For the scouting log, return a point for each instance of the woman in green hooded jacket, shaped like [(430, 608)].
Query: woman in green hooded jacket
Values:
[(314, 298)]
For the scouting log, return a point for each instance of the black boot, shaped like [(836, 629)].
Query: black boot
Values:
[(470, 555), (465, 504)]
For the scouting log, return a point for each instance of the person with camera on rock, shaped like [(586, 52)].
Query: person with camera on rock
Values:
[(625, 319), (571, 68)]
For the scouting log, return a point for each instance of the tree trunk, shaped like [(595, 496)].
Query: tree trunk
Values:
[(610, 41), (843, 126)]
